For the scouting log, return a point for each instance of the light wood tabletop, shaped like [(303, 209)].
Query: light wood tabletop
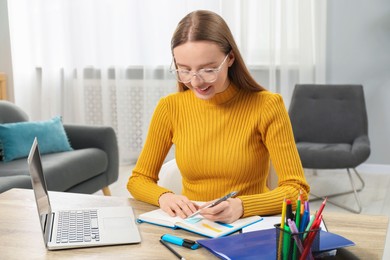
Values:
[(20, 234)]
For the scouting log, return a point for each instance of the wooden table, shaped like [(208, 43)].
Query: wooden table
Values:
[(20, 234)]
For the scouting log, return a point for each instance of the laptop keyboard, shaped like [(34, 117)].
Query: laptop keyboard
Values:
[(77, 226)]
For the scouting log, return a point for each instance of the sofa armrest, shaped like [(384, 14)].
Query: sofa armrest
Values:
[(102, 137)]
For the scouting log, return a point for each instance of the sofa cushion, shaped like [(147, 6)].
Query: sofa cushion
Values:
[(16, 138), (63, 170)]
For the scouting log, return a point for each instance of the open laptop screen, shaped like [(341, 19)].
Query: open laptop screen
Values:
[(39, 187)]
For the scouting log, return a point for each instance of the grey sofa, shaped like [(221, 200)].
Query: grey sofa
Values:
[(91, 166)]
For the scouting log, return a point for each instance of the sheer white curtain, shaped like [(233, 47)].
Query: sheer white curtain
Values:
[(104, 62)]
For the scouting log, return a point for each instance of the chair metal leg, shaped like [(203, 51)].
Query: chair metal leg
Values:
[(354, 191)]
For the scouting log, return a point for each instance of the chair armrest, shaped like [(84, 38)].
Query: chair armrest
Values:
[(361, 147), (102, 137)]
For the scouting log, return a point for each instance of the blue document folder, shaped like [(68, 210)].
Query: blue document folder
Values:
[(262, 244)]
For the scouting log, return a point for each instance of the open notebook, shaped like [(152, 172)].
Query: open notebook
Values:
[(197, 224)]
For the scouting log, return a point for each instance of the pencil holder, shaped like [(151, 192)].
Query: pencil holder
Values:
[(287, 247)]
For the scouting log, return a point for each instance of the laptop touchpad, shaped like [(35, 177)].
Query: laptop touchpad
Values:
[(120, 229), (117, 223)]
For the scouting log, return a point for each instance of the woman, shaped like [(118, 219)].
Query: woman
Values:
[(226, 128)]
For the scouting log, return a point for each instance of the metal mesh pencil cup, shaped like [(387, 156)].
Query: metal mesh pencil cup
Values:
[(285, 242)]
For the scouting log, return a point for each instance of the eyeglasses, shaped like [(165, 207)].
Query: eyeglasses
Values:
[(208, 75)]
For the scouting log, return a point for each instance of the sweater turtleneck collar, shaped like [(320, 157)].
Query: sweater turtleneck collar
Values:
[(220, 98)]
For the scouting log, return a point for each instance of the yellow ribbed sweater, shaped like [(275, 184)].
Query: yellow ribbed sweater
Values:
[(223, 144)]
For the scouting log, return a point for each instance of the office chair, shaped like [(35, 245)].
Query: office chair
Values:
[(331, 131), (170, 176)]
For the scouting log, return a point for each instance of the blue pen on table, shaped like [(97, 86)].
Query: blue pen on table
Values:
[(180, 241), (231, 194)]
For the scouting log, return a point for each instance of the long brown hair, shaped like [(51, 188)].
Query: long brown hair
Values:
[(205, 25)]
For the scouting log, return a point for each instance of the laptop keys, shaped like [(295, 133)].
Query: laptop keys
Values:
[(77, 226)]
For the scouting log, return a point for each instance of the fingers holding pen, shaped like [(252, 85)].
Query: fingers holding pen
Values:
[(185, 208), (177, 205), (227, 211)]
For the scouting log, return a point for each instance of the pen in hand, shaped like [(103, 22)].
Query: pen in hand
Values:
[(231, 194)]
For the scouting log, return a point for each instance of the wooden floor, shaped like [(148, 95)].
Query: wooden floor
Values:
[(375, 196)]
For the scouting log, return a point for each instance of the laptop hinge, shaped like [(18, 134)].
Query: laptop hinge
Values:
[(51, 226)]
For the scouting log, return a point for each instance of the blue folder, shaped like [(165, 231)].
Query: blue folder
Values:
[(262, 244)]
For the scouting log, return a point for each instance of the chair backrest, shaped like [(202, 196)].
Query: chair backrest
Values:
[(328, 113), (11, 113), (170, 177)]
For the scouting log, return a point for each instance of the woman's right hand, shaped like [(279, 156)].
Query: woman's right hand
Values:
[(177, 205)]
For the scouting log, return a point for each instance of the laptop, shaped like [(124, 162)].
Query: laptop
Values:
[(99, 226)]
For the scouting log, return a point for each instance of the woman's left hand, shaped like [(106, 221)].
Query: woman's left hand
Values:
[(227, 211)]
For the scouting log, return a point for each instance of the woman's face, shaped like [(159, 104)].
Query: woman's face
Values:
[(194, 56)]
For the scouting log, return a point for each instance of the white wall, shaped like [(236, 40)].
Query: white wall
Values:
[(358, 51)]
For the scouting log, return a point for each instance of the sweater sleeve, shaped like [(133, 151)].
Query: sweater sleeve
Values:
[(277, 135), (143, 182)]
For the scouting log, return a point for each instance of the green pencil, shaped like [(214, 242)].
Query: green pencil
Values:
[(286, 242), (297, 222)]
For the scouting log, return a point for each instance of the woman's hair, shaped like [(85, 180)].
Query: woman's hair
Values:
[(205, 25)]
